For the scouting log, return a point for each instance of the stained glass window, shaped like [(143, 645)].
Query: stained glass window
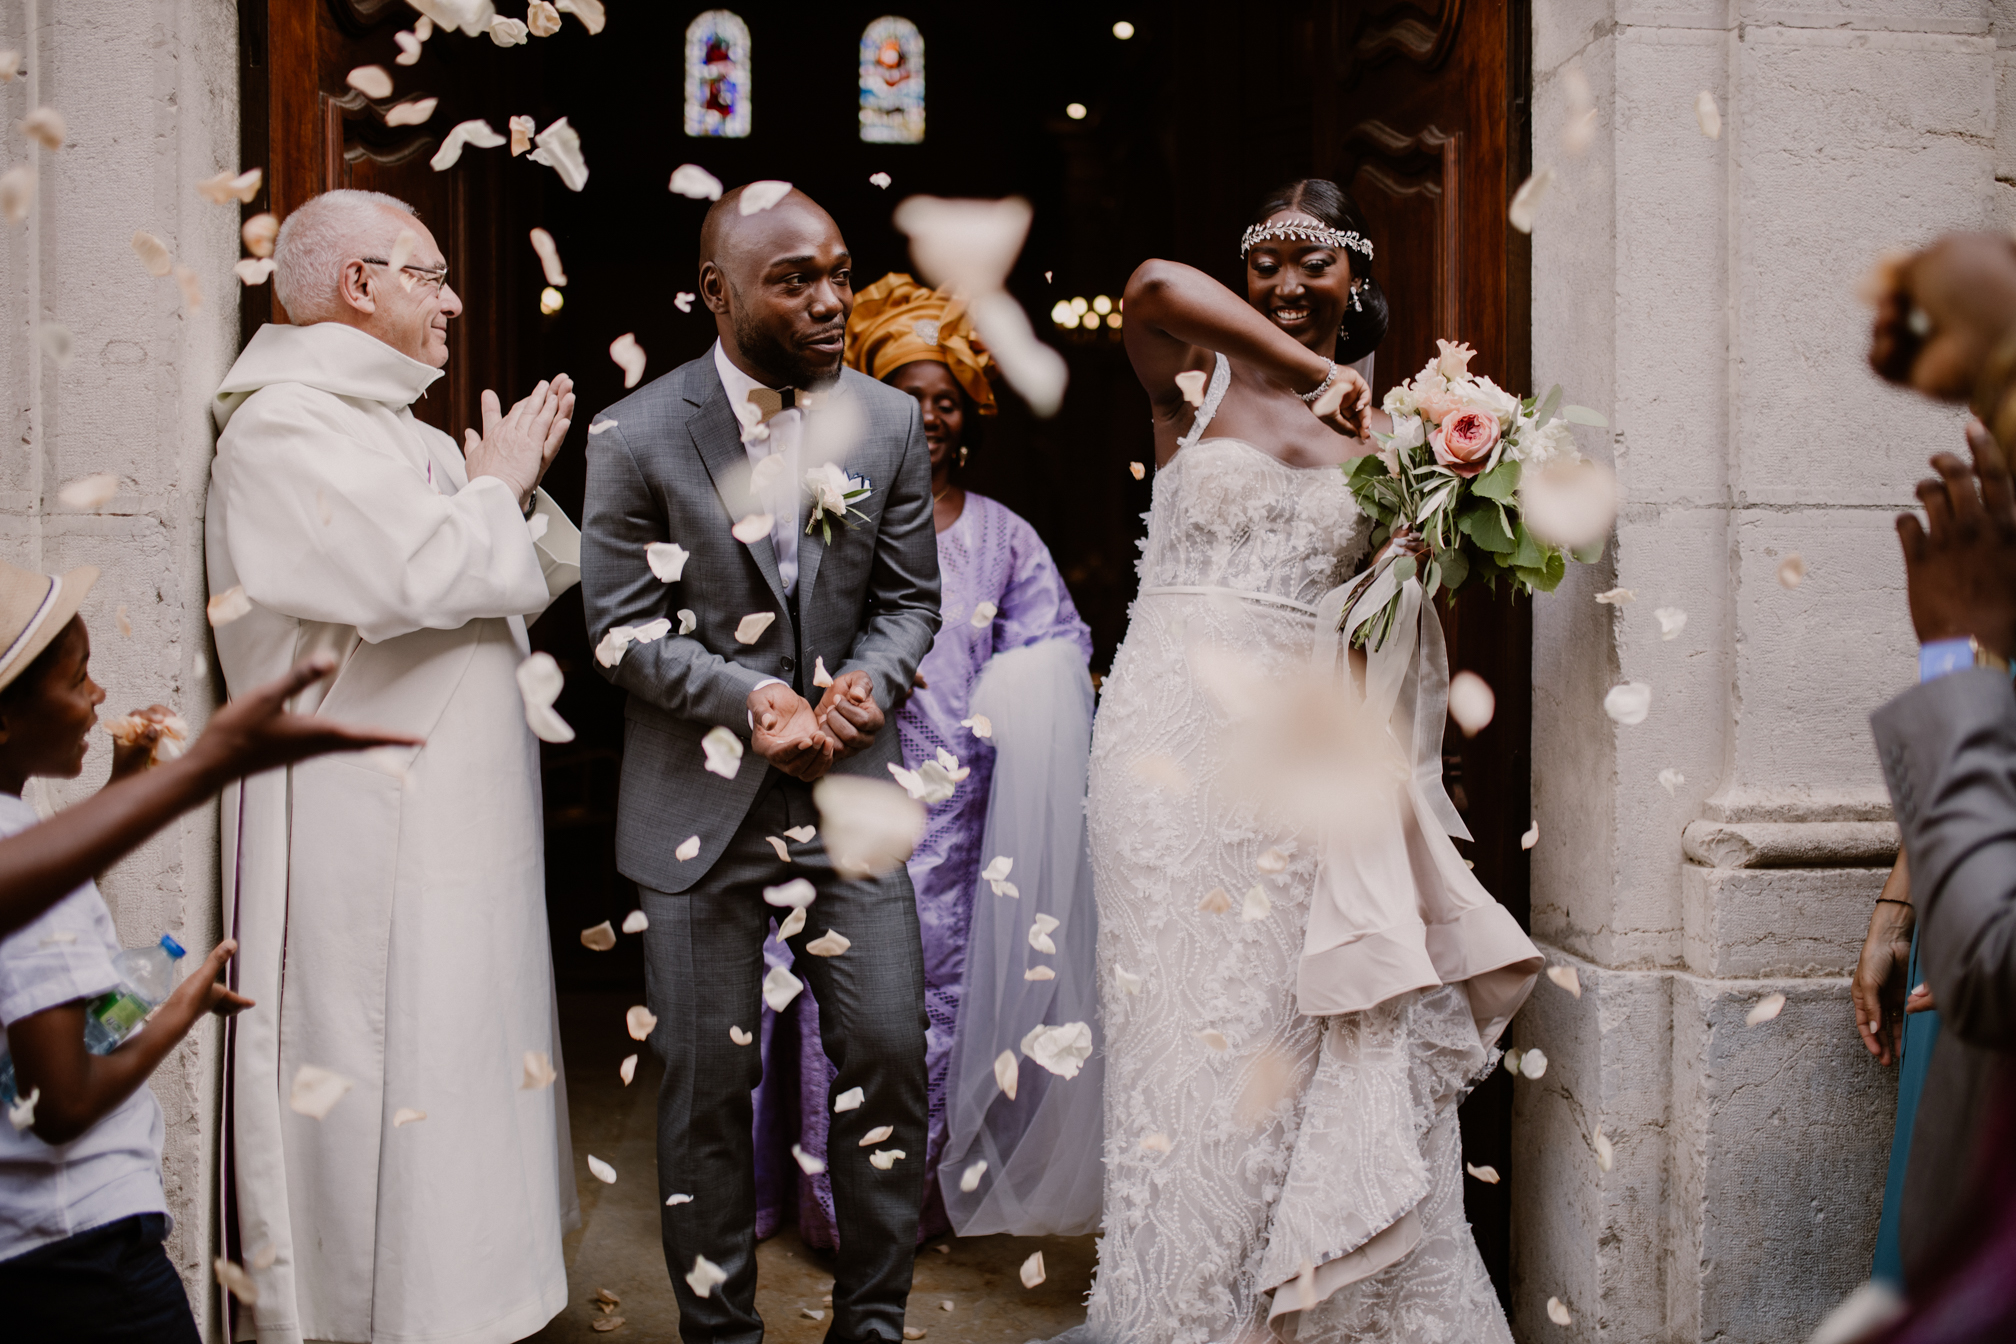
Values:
[(892, 82), (717, 75)]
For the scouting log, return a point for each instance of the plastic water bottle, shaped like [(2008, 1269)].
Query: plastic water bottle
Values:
[(146, 978)]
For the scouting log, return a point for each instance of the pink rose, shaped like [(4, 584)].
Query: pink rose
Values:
[(1465, 440)]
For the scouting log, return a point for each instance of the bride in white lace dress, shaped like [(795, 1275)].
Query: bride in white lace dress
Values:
[(1268, 1174)]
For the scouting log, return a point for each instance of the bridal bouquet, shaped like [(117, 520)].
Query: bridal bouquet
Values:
[(1467, 467)]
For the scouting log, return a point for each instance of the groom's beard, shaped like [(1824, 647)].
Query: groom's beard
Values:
[(765, 351)]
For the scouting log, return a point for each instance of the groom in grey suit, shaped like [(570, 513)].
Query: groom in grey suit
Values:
[(857, 595)]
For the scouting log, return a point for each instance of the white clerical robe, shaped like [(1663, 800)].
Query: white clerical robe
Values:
[(390, 912)]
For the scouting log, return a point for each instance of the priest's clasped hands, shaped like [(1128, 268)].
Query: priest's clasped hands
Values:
[(518, 448), (803, 741)]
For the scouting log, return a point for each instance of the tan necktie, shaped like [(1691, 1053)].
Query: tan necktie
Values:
[(772, 401)]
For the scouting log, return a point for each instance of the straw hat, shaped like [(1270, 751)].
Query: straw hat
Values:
[(34, 608)]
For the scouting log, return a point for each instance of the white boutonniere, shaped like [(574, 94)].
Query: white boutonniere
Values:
[(834, 495)]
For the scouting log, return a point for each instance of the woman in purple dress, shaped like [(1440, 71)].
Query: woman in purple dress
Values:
[(1001, 591)]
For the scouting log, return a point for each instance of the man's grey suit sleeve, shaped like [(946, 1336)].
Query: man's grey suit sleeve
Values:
[(1948, 750), (903, 589), (677, 674)]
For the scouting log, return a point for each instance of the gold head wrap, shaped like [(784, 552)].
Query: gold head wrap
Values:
[(897, 321)]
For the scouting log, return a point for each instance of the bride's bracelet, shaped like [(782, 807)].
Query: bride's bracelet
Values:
[(1309, 398)]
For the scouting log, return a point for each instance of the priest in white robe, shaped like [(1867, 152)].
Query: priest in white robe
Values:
[(390, 908)]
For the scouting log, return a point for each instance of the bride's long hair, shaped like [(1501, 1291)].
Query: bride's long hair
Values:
[(1321, 199)]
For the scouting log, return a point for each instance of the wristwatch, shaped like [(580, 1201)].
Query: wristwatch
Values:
[(1942, 656)]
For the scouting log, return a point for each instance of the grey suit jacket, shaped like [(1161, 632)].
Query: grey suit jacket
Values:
[(673, 468), (1948, 750)]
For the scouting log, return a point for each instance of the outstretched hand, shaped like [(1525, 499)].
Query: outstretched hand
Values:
[(848, 712), (1960, 565), (254, 732), (518, 448), (1344, 405)]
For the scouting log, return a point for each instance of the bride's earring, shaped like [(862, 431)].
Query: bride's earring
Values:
[(1356, 306), (962, 455)]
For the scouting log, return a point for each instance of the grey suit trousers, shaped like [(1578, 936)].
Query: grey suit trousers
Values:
[(704, 971)]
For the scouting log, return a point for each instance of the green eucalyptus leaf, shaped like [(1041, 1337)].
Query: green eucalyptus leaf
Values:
[(1582, 415), (1547, 404), (1403, 568)]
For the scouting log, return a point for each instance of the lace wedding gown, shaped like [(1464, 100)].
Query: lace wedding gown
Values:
[(1302, 1177)]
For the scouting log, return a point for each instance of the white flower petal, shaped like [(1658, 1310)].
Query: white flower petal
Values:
[(794, 923), (1569, 504), (850, 1100), (724, 752), (760, 196), (869, 827), (409, 49), (667, 560), (807, 1163), (1215, 902), (95, 491), (751, 627), (706, 1277), (691, 180), (1526, 200), (1511, 1062), (21, 1111), (1617, 597), (1531, 836), (627, 1070), (1532, 1064), (1007, 1072), (1671, 779), (539, 684), (559, 148), (881, 180), (876, 1135), (17, 193), (600, 938), (636, 922), (983, 615), (639, 1021), (997, 868), (1764, 1010), (1271, 861), (1190, 383), (683, 300), (629, 357), (234, 1280), (1157, 1142), (1672, 621), (753, 528), (508, 32), (254, 270), (1709, 118), (981, 725), (674, 1201), (1792, 570), (688, 622), (1032, 1270), (969, 1179), (885, 1158), (1138, 470), (474, 131), (373, 81), (522, 129), (1062, 1049), (1472, 702), (315, 1090), (783, 854), (223, 188), (1558, 1313), (45, 127), (1628, 703), (549, 257), (1039, 973), (228, 606), (1488, 1175), (780, 987), (802, 834), (741, 1037), (259, 233), (589, 12), (1256, 906), (1039, 933), (412, 112), (1567, 978), (1213, 1040), (820, 676), (1606, 1154), (689, 848), (538, 1071), (795, 894), (1127, 980), (405, 1116), (828, 944), (541, 19)]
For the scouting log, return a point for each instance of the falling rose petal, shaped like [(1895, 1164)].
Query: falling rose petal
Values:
[(689, 848), (192, 287), (1672, 621), (538, 1070), (600, 938), (1606, 1154), (980, 724), (1215, 902), (1617, 597), (373, 81), (812, 1313), (820, 676), (869, 826), (807, 1163), (1255, 906), (966, 245), (508, 32), (760, 196), (1569, 504), (1532, 1064), (752, 529), (45, 127), (539, 684), (235, 1281), (793, 895), (1471, 702), (706, 1277), (1629, 703), (17, 192), (549, 257), (521, 129), (945, 1305), (1567, 978), (1007, 1073), (315, 1090), (1488, 1175), (1039, 973), (683, 301), (21, 1111), (1558, 1313), (406, 1115), (412, 112), (636, 922), (1040, 931), (153, 253), (541, 19), (223, 188), (1792, 570), (125, 625), (228, 606), (629, 357), (674, 1201), (998, 869), (884, 1159), (1214, 1040), (1190, 383), (1511, 1062), (780, 987), (1127, 980), (783, 854), (850, 1100), (1526, 200), (667, 559), (829, 944), (724, 752), (881, 180), (802, 834), (1032, 1270), (1579, 133), (876, 1135), (691, 180), (793, 925), (254, 270), (639, 1021), (1671, 779), (259, 233), (969, 1179), (1709, 118), (89, 493), (474, 131), (1062, 1049), (1765, 1009), (559, 148), (409, 49), (751, 627), (1157, 1142), (1271, 861), (10, 65), (627, 1070), (589, 12), (983, 615), (601, 1170), (1139, 471), (740, 1037), (1531, 837)]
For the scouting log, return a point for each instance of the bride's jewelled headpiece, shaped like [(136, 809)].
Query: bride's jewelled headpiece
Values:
[(1300, 231)]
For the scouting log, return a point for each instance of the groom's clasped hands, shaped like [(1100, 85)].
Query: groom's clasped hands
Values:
[(803, 741)]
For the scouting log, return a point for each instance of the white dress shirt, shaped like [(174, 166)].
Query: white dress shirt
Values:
[(787, 431)]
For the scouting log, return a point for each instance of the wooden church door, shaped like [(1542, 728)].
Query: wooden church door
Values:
[(1424, 116)]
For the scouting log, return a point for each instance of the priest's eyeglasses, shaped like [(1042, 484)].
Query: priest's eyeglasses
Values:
[(433, 278)]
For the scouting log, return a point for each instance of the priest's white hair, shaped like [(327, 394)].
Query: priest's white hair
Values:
[(318, 238)]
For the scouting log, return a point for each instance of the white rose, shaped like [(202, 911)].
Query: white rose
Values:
[(1399, 401), (1552, 442), (1485, 395), (828, 486), (1408, 432)]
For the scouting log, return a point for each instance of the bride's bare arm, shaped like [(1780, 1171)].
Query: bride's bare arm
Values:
[(1175, 312)]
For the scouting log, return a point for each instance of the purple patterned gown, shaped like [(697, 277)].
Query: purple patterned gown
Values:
[(988, 556)]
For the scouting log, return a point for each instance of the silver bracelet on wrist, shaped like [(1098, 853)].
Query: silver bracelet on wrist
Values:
[(1310, 398)]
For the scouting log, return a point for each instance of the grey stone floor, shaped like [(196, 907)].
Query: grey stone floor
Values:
[(617, 1245)]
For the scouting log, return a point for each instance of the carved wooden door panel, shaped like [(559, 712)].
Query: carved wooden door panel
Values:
[(312, 132), (1424, 118)]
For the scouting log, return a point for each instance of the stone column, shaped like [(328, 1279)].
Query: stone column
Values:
[(1703, 291), (149, 89)]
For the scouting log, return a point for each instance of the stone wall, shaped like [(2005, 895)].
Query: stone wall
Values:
[(149, 89), (1703, 291)]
